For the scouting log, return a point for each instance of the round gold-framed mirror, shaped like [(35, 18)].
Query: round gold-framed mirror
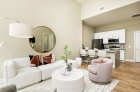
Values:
[(43, 40)]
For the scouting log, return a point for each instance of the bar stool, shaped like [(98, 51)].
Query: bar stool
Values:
[(83, 54), (91, 54)]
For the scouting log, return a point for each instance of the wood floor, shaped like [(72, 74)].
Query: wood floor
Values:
[(129, 75)]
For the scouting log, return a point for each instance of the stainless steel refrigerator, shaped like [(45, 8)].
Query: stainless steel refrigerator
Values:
[(97, 43)]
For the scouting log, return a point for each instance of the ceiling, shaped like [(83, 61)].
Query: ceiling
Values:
[(82, 1), (116, 15)]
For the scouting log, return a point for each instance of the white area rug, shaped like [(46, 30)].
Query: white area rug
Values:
[(89, 86)]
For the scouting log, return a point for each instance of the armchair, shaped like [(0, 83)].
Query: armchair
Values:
[(100, 72)]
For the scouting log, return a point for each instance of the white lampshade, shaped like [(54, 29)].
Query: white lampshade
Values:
[(20, 30)]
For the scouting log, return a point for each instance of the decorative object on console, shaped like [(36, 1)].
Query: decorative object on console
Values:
[(35, 61), (47, 59), (44, 39), (20, 30), (66, 67)]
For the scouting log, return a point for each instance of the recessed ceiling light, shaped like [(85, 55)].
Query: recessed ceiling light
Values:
[(102, 8)]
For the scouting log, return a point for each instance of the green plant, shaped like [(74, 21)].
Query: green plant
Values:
[(67, 53)]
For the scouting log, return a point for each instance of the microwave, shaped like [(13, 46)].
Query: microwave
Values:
[(113, 40)]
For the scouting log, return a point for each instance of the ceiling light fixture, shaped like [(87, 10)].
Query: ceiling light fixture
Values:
[(102, 8), (20, 30)]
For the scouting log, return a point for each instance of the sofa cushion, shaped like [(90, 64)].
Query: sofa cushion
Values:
[(35, 60), (92, 69), (25, 77), (22, 62), (48, 69)]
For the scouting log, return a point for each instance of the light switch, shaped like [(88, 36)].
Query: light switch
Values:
[(129, 46)]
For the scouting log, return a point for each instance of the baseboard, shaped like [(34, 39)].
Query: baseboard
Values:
[(129, 60)]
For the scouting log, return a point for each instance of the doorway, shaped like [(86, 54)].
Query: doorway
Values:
[(48, 41), (137, 46)]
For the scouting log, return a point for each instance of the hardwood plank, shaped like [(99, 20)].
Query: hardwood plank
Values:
[(129, 75)]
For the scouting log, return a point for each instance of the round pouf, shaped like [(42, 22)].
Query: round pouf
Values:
[(71, 83), (79, 60)]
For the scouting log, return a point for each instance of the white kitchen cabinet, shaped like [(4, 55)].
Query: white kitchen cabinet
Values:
[(105, 37), (98, 36), (122, 55), (122, 36), (101, 35), (116, 34), (113, 34), (110, 34)]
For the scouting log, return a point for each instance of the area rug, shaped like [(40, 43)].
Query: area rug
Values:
[(89, 86)]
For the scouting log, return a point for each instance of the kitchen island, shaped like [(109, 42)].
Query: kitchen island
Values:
[(114, 56)]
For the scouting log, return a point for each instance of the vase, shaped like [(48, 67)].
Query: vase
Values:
[(66, 68)]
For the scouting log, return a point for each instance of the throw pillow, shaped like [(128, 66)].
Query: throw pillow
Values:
[(47, 59), (35, 60), (101, 62)]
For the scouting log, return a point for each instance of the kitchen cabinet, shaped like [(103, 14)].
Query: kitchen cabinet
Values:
[(116, 34), (122, 55), (122, 36), (110, 34), (105, 37), (113, 34), (98, 36)]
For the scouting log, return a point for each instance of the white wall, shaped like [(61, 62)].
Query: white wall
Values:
[(92, 7), (88, 35), (62, 16)]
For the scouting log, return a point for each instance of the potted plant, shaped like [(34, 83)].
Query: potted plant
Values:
[(66, 67)]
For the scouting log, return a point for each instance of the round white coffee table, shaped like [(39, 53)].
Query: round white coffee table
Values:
[(71, 83)]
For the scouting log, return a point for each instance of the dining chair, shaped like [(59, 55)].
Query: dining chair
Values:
[(83, 54)]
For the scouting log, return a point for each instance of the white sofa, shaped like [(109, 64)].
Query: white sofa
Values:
[(19, 71)]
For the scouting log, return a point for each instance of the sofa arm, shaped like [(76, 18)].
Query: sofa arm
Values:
[(10, 68)]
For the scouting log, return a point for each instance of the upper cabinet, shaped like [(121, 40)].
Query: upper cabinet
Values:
[(113, 34), (110, 34), (105, 37), (116, 34), (122, 36), (98, 36)]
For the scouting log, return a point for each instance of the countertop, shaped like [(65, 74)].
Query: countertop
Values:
[(109, 51)]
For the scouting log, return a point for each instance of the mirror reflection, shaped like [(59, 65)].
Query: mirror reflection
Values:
[(43, 39)]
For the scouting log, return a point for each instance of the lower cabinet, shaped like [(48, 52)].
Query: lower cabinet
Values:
[(122, 55)]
